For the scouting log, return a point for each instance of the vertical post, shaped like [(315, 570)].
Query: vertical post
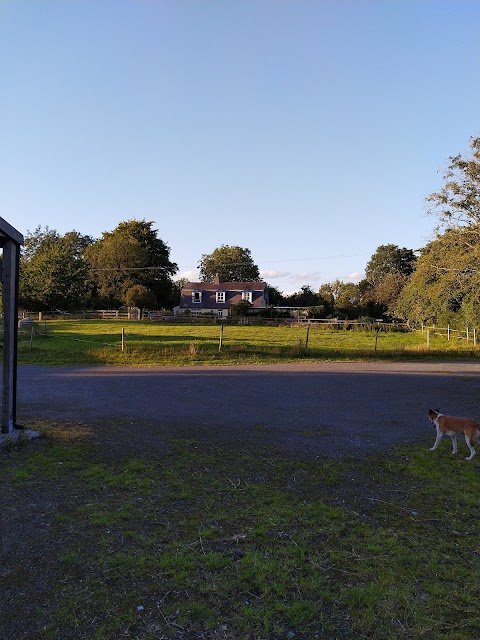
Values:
[(220, 343), (10, 269), (306, 338), (422, 327), (123, 339), (448, 333), (474, 336), (31, 338), (377, 329), (467, 334), (428, 338)]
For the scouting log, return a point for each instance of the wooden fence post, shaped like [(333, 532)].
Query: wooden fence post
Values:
[(448, 333), (306, 338), (220, 343), (10, 280), (123, 339), (474, 336), (467, 334), (428, 338)]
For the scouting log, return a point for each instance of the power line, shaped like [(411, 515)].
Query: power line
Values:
[(231, 264)]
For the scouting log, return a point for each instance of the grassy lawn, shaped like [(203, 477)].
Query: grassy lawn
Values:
[(150, 344), (210, 543)]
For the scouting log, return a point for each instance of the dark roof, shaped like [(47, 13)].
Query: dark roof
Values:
[(225, 286)]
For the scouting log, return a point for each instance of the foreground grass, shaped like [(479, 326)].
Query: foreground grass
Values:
[(151, 344), (209, 543)]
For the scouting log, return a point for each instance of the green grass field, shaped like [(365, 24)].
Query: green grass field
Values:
[(152, 344), (212, 543)]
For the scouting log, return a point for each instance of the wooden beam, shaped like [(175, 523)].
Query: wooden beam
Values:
[(7, 231), (10, 273)]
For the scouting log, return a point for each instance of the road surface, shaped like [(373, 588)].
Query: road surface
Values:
[(306, 410)]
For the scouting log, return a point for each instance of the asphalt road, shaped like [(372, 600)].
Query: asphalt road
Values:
[(307, 410)]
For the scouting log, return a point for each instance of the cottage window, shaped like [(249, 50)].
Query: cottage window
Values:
[(247, 295), (220, 296), (196, 296)]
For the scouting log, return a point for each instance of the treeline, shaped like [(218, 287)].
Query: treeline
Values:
[(127, 266), (131, 266), (440, 285)]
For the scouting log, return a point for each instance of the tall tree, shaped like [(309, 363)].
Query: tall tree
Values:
[(306, 297), (445, 286), (130, 255), (231, 263), (386, 273), (458, 201), (53, 272), (446, 282), (389, 259), (341, 298)]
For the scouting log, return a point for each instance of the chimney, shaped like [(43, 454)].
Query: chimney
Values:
[(216, 280)]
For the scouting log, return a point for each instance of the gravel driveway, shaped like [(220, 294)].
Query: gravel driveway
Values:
[(307, 410)]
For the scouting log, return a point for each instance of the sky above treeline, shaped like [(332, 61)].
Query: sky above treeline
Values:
[(309, 132)]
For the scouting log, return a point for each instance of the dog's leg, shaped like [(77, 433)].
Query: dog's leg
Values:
[(437, 441), (469, 445), (454, 443)]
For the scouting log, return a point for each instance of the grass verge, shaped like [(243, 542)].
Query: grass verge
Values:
[(156, 344), (210, 543)]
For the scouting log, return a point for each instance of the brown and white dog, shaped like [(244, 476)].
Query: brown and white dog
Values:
[(451, 426)]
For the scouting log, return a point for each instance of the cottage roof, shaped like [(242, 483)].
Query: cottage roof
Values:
[(224, 286)]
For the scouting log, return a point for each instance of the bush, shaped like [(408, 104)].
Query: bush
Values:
[(141, 297)]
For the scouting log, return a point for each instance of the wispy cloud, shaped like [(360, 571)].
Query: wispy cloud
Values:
[(272, 275), (355, 277), (190, 276)]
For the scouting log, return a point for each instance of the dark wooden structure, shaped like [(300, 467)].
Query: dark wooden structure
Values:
[(10, 242)]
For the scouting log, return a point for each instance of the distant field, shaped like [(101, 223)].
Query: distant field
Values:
[(153, 344)]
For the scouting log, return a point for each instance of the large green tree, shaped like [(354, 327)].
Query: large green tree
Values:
[(131, 254), (341, 298), (386, 273), (231, 263), (445, 284), (388, 259), (53, 272)]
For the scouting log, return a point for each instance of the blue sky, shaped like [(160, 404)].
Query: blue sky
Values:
[(309, 131)]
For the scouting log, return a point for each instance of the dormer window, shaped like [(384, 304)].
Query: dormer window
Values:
[(220, 297), (247, 295), (196, 297)]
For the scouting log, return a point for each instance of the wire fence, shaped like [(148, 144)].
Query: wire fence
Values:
[(469, 334), (305, 333)]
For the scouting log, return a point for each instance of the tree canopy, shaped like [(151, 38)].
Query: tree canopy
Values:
[(389, 259), (444, 287), (386, 273), (130, 255), (53, 272), (458, 201), (231, 263)]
